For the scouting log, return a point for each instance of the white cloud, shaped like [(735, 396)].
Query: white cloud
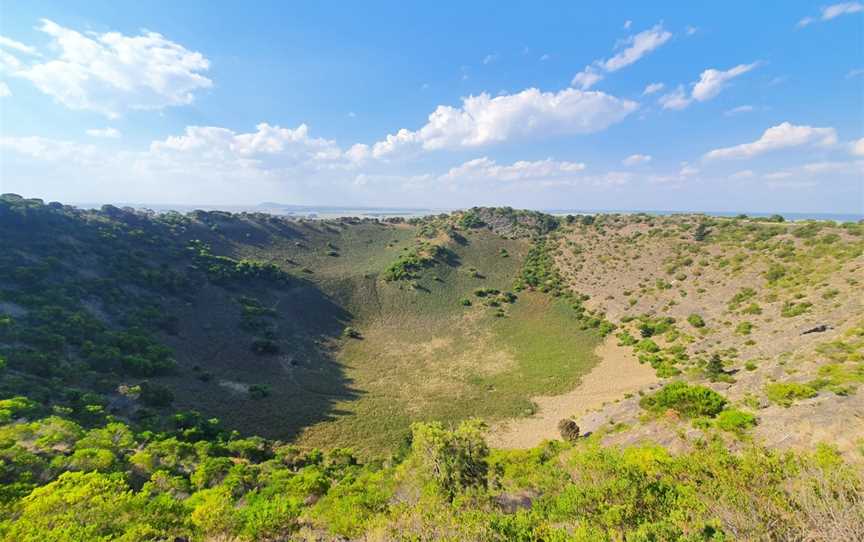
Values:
[(782, 136), (857, 147), (691, 30), (832, 11), (483, 120), (490, 58), (111, 73), (484, 169), (653, 88), (738, 110), (269, 147), (109, 132), (638, 46), (51, 150), (5, 92), (587, 78), (709, 85), (627, 24), (544, 57), (855, 73), (9, 43), (677, 99), (712, 81), (636, 159), (635, 47)]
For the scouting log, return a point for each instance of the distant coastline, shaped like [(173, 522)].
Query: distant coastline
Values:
[(333, 211)]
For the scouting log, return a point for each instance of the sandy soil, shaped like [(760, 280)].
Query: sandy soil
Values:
[(617, 374)]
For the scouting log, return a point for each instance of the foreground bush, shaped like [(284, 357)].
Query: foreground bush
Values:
[(687, 400)]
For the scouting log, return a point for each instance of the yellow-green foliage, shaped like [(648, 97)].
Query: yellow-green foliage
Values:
[(786, 393), (447, 481)]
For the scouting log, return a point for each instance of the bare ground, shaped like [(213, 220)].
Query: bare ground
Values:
[(617, 374)]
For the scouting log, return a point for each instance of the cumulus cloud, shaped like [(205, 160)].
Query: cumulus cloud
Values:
[(484, 169), (632, 49), (5, 92), (267, 148), (857, 147), (653, 88), (111, 73), (636, 159), (782, 136), (484, 120), (709, 85), (831, 12), (108, 133)]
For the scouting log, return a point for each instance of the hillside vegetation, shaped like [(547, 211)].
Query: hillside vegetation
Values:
[(217, 376)]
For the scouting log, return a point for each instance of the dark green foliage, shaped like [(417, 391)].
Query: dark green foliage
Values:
[(155, 395), (538, 271), (263, 346), (408, 265), (225, 270), (259, 391), (470, 219), (696, 321), (714, 368), (687, 400)]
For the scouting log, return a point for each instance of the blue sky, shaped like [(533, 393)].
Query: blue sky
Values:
[(733, 106)]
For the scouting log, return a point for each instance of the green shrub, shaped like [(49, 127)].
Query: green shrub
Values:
[(786, 393), (259, 391), (647, 345), (696, 321), (687, 400), (452, 461), (744, 328), (735, 421), (791, 309)]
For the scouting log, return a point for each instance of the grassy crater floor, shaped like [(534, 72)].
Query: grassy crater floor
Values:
[(423, 355)]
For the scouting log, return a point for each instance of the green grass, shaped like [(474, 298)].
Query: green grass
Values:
[(425, 355)]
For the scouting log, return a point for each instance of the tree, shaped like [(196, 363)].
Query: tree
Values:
[(452, 460), (701, 232), (715, 367)]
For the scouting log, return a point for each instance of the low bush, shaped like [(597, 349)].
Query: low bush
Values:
[(688, 400), (786, 393)]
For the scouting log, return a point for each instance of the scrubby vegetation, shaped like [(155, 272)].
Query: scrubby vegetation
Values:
[(62, 481), (219, 376)]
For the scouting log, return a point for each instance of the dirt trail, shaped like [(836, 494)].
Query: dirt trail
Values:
[(617, 373)]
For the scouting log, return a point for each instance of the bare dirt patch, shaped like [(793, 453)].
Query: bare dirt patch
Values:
[(617, 374)]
